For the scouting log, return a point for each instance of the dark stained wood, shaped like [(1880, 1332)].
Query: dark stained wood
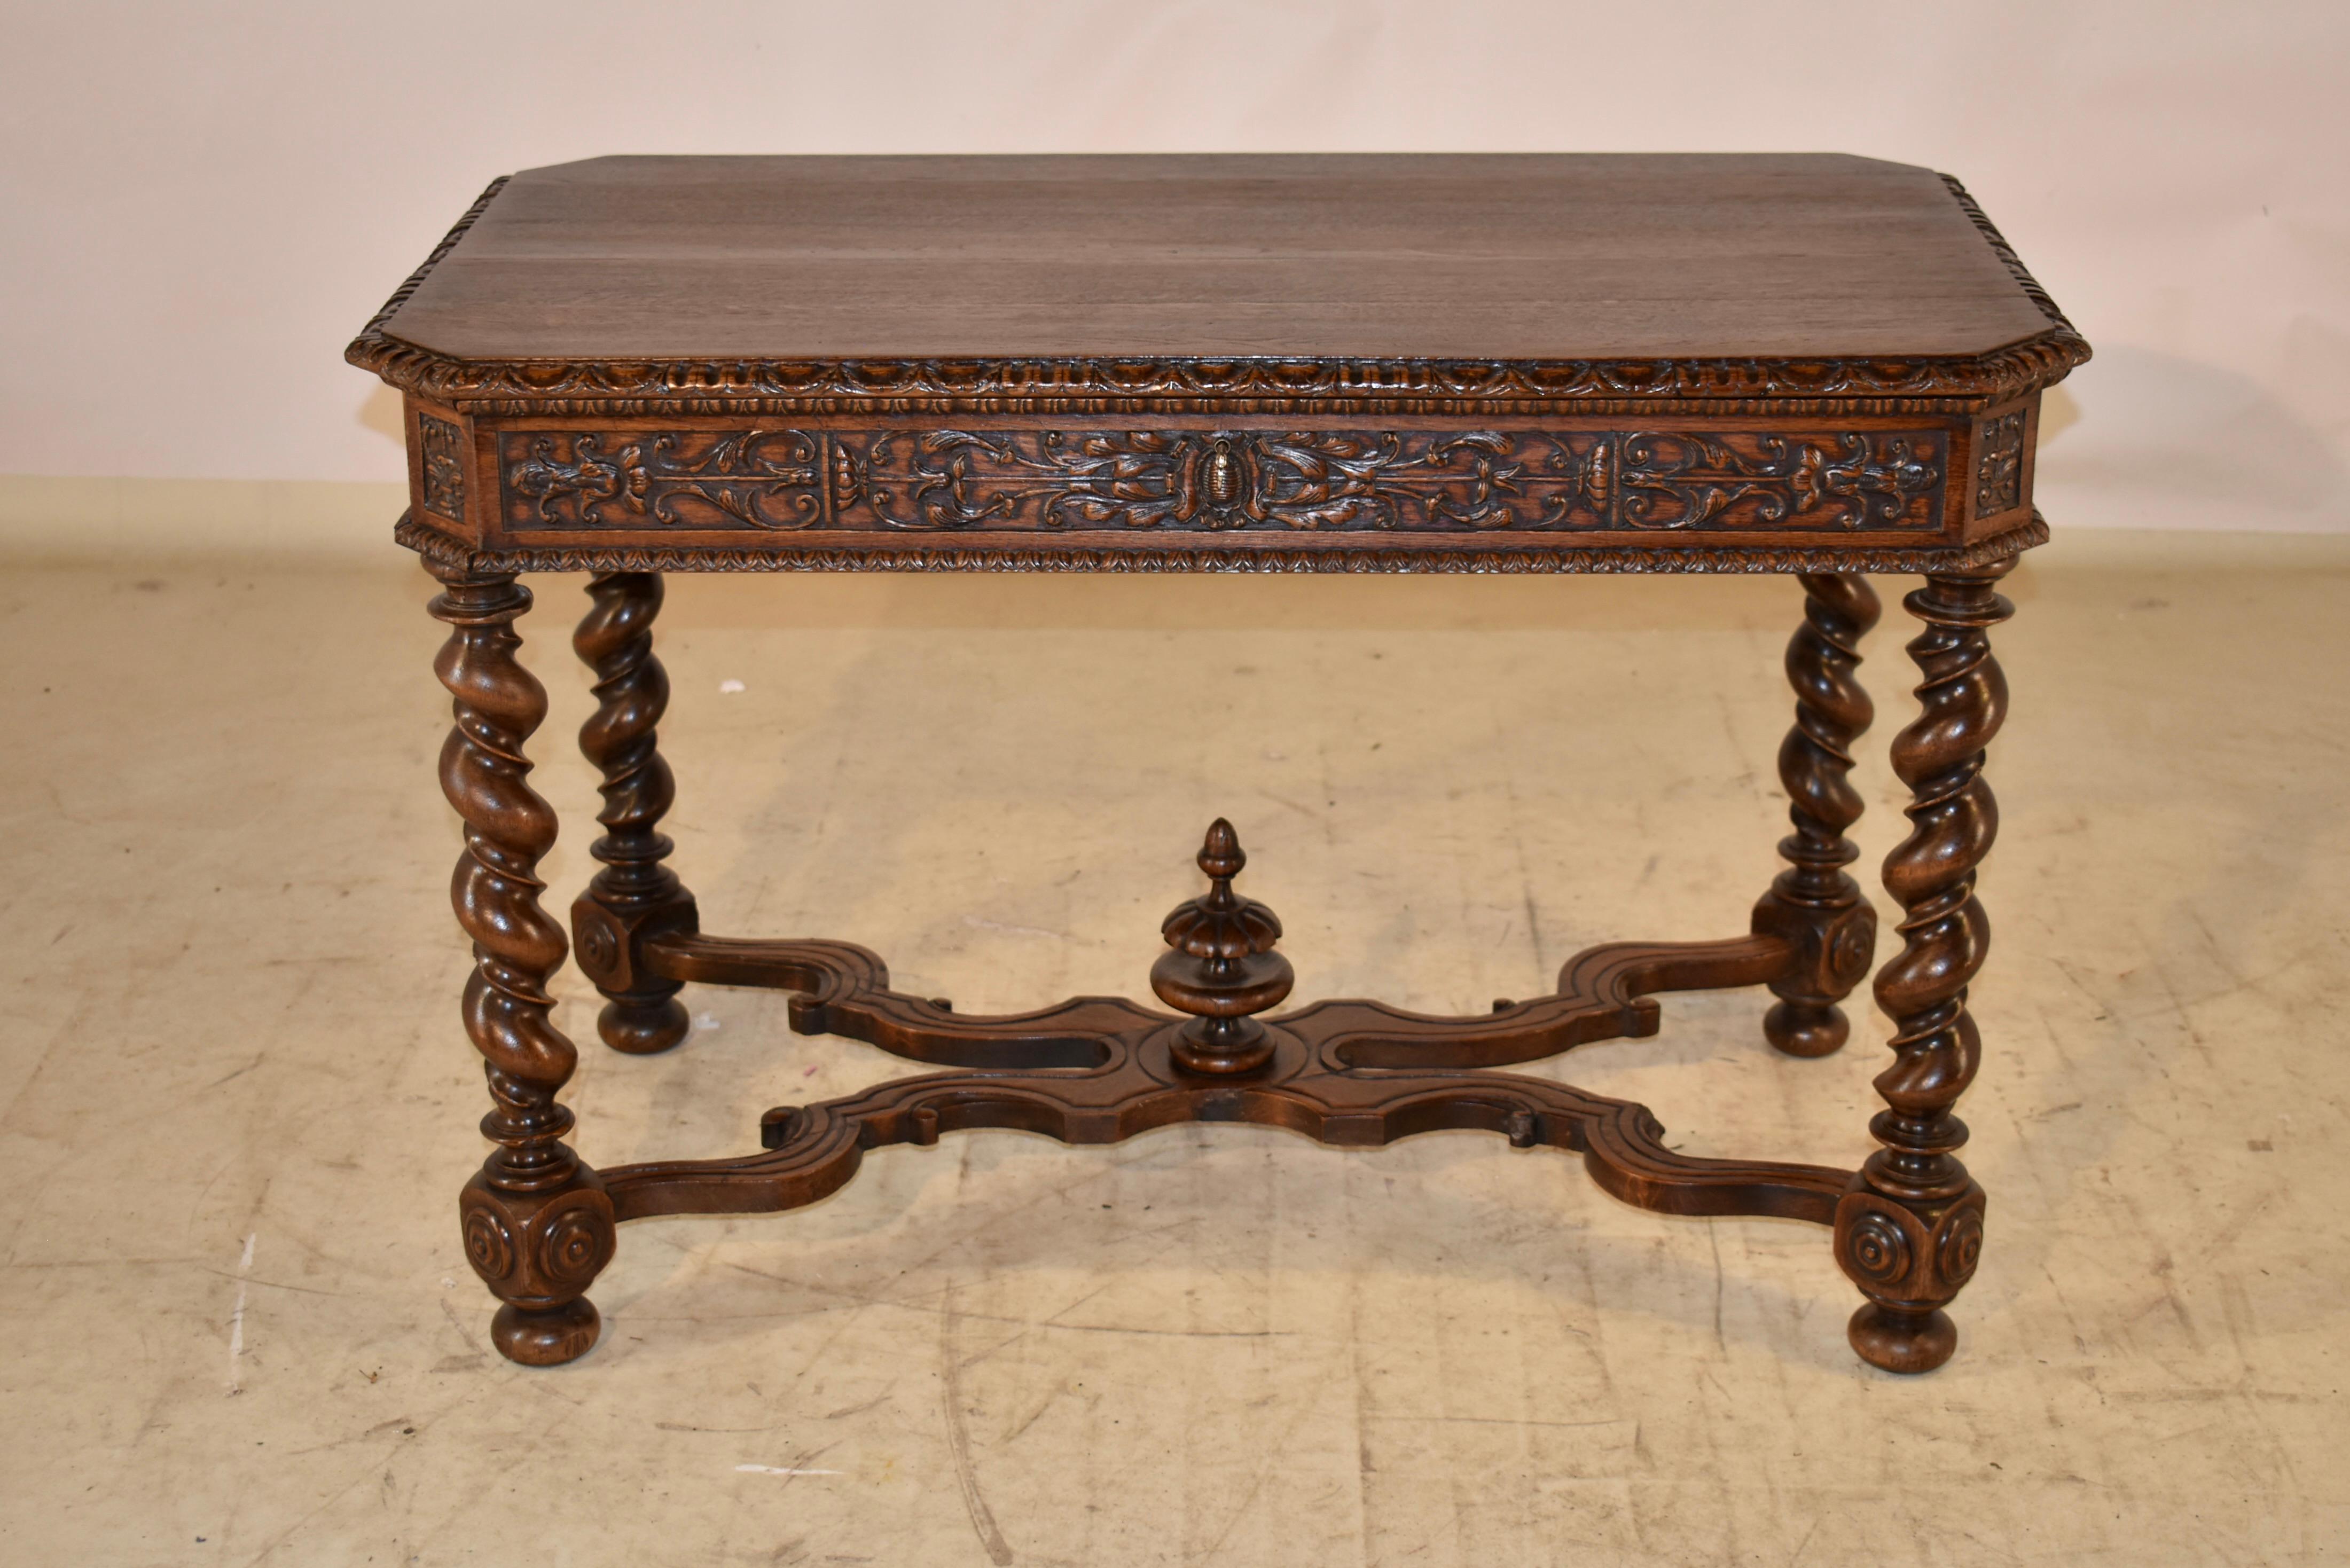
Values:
[(1814, 905), (1403, 256), (1222, 969), (1392, 363), (1100, 1070), (1910, 1226), (636, 895), (1808, 365), (536, 1221)]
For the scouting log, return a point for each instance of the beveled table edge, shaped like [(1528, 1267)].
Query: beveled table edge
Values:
[(1229, 385), (927, 556)]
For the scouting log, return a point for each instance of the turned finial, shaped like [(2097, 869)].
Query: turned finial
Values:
[(1222, 967)]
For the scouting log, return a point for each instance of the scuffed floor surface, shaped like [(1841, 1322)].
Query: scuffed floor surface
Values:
[(238, 1326)]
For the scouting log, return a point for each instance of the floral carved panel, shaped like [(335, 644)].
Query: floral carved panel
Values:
[(952, 479), (1999, 470), (440, 449)]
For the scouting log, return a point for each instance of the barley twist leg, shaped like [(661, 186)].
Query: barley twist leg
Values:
[(1813, 904), (636, 896), (537, 1224), (1909, 1227)]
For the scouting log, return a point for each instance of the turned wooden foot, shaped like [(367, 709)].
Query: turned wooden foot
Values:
[(537, 1223), (1806, 1028), (538, 1251), (641, 1027), (1900, 1340), (1814, 905), (1908, 1228), (547, 1338), (636, 896)]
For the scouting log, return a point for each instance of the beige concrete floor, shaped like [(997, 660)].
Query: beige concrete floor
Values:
[(237, 1102)]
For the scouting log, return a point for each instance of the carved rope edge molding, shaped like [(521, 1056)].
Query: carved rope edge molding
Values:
[(2005, 251), (1232, 385), (431, 542)]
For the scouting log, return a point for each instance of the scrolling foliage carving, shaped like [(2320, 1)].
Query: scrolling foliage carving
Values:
[(1049, 480), (755, 479)]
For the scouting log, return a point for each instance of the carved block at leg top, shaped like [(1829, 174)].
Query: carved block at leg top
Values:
[(636, 897), (537, 1225), (1814, 905), (1908, 1229)]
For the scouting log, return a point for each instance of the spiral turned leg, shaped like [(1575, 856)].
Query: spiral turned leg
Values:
[(635, 896), (1909, 1227), (537, 1221), (1814, 905)]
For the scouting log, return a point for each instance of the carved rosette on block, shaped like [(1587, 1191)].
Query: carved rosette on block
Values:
[(537, 1225), (1908, 1229), (538, 1251), (1814, 905), (1222, 967), (636, 896)]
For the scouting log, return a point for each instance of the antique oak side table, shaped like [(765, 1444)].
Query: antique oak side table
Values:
[(1810, 365)]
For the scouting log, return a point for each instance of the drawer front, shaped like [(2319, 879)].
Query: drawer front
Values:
[(930, 479)]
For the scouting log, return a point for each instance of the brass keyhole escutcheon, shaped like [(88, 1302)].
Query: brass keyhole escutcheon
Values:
[(1223, 479)]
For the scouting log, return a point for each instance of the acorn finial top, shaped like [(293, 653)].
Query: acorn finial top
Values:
[(1221, 856), (1220, 924)]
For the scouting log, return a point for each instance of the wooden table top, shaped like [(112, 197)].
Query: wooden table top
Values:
[(1367, 257), (1402, 360)]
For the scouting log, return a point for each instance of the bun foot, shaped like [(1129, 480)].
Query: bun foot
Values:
[(549, 1336), (1806, 1028), (642, 1029), (1900, 1341)]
